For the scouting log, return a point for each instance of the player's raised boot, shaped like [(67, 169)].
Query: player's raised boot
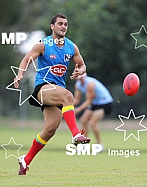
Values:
[(23, 167), (80, 139)]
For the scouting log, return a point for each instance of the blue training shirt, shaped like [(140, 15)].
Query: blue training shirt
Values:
[(53, 64), (102, 95)]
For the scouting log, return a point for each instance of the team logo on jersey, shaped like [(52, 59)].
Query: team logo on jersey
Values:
[(67, 57), (52, 56), (58, 70)]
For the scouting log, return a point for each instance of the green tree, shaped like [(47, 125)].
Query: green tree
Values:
[(100, 28), (10, 16)]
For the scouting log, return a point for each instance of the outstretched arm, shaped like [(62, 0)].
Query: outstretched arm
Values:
[(80, 67), (77, 96), (34, 53), (89, 97)]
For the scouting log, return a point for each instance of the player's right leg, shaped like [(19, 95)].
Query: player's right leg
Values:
[(63, 97), (52, 118)]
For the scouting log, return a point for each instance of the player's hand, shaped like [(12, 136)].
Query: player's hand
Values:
[(76, 72), (16, 81)]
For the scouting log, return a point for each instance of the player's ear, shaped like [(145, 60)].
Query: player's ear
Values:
[(52, 26)]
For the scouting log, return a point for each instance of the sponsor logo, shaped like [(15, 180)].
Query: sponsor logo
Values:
[(52, 56), (58, 70), (67, 57)]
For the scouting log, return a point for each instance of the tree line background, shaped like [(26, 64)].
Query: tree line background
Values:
[(100, 28)]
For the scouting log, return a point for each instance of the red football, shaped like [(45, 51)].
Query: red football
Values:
[(131, 84)]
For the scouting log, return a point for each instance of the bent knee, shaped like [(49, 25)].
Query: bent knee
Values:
[(68, 98), (49, 131)]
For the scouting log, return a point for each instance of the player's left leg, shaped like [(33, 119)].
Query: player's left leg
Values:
[(96, 117), (52, 118)]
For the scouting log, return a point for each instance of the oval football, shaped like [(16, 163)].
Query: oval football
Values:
[(131, 84)]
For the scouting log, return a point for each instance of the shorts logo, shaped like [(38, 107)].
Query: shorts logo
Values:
[(52, 56), (58, 70)]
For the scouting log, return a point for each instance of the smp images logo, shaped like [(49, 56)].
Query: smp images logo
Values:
[(83, 149), (13, 38)]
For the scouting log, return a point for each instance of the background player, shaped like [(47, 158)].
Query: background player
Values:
[(53, 55), (98, 103)]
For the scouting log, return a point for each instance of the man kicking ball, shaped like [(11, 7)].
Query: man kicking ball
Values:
[(55, 102)]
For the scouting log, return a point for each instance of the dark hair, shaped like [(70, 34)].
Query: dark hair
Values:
[(57, 15)]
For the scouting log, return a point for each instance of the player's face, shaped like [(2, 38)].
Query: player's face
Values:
[(60, 27)]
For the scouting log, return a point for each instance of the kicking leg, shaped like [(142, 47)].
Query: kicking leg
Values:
[(63, 97)]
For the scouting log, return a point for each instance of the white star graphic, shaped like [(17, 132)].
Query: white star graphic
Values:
[(124, 127), (137, 33), (20, 91), (9, 146), (52, 86)]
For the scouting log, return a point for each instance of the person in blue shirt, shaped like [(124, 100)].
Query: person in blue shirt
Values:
[(98, 102), (54, 53)]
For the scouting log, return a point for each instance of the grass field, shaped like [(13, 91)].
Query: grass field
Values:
[(52, 167)]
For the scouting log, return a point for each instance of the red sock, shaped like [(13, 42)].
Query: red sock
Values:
[(69, 116), (38, 144)]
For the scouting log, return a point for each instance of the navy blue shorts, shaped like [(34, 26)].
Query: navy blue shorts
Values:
[(35, 93), (107, 107)]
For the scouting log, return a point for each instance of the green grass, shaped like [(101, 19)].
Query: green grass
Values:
[(52, 167)]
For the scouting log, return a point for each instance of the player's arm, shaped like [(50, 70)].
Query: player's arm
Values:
[(33, 54), (77, 96), (89, 97), (80, 67)]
